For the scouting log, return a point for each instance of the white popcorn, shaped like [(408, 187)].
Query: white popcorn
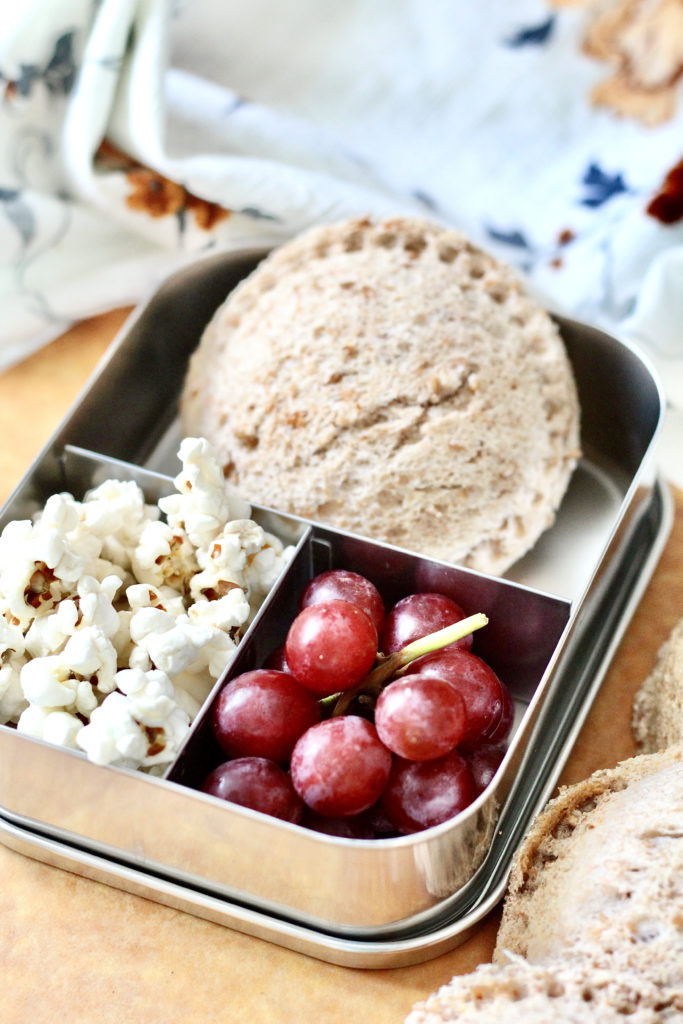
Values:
[(48, 634), (11, 637), (92, 605), (12, 700), (174, 645), (36, 575), (12, 660), (49, 683), (50, 724), (15, 536), (139, 725), (142, 595), (117, 513), (205, 501), (192, 695), (90, 654), (112, 617), (151, 695), (264, 568), (61, 514), (71, 679), (164, 556), (242, 555), (226, 613)]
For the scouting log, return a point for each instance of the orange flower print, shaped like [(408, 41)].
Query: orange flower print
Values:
[(156, 195), (153, 194)]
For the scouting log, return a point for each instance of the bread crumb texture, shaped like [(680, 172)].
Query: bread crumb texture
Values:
[(391, 379), (592, 926), (658, 704), (522, 993)]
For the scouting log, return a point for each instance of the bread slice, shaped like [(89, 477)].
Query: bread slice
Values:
[(658, 705), (393, 380), (599, 878), (523, 993)]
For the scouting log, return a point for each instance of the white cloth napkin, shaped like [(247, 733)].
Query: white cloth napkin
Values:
[(135, 134)]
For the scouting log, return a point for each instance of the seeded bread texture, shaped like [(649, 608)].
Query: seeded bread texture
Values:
[(658, 704), (592, 925), (599, 877), (523, 993), (391, 379)]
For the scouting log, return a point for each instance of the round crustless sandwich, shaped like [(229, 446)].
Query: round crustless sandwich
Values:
[(392, 380)]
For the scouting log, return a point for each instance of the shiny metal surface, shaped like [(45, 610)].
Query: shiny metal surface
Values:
[(557, 616), (165, 825), (457, 919)]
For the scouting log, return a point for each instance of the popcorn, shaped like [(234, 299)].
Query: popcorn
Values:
[(225, 613), (205, 501), (141, 595), (115, 623), (37, 574), (50, 724), (92, 605), (139, 725), (164, 557), (73, 678), (177, 645), (243, 555), (12, 660), (116, 512)]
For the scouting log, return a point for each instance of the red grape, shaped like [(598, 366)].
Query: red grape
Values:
[(331, 646), (262, 714), (340, 766), (276, 659), (502, 730), (488, 703), (377, 818), (344, 585), (356, 827), (421, 794), (417, 615), (484, 761), (257, 783), (420, 717)]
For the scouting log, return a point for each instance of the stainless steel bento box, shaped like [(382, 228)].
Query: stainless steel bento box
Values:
[(555, 620)]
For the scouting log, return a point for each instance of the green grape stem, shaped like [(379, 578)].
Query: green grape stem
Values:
[(389, 666)]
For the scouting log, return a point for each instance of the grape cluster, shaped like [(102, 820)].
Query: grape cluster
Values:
[(310, 740)]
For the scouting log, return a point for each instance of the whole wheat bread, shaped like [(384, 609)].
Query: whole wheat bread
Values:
[(391, 379), (658, 704)]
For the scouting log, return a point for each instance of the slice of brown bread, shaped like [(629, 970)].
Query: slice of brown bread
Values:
[(599, 877), (391, 379), (658, 704), (523, 993)]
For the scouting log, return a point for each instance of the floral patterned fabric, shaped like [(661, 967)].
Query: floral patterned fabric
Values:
[(136, 134)]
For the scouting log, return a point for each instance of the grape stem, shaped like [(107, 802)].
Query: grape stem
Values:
[(388, 666)]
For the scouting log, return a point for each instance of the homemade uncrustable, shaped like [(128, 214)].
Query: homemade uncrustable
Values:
[(391, 379), (599, 877)]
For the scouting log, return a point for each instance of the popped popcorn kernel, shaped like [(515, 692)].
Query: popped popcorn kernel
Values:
[(12, 699), (205, 502), (164, 556), (50, 724), (138, 725)]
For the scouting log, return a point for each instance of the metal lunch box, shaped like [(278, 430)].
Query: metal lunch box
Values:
[(555, 620)]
